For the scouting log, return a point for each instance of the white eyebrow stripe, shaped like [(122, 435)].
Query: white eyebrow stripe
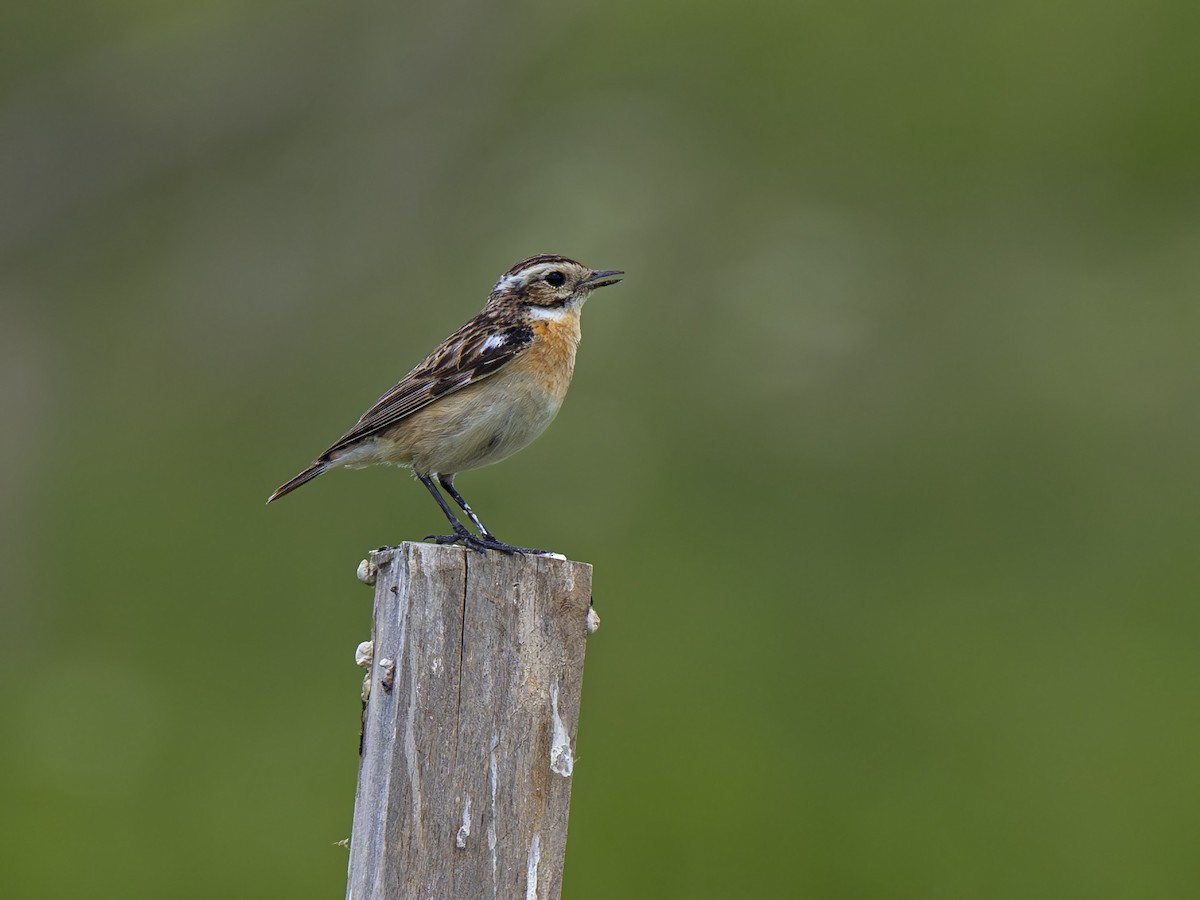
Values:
[(505, 282)]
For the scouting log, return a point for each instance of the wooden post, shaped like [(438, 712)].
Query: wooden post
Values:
[(469, 728)]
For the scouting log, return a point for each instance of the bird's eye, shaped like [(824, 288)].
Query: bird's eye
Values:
[(556, 279)]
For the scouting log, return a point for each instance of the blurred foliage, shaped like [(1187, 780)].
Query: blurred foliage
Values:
[(885, 451)]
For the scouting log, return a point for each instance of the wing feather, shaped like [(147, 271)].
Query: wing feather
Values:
[(482, 347)]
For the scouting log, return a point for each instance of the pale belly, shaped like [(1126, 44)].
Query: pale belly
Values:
[(469, 429), (484, 429)]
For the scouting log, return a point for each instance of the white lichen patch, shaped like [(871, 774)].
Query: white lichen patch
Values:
[(491, 831), (464, 831), (410, 750), (364, 654), (562, 761), (531, 867)]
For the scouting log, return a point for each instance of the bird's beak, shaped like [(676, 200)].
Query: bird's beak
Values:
[(602, 279)]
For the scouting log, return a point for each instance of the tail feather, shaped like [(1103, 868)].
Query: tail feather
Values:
[(303, 478)]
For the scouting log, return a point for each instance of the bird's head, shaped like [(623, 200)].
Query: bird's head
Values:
[(551, 282)]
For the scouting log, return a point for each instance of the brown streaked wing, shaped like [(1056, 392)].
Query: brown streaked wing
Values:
[(459, 361)]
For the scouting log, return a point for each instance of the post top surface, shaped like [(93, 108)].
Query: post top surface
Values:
[(427, 549)]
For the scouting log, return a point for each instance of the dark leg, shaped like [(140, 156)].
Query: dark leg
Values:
[(461, 535), (447, 483), (486, 540)]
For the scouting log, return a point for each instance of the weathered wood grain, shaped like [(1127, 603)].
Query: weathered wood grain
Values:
[(469, 738)]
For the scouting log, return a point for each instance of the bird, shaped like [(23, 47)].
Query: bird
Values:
[(484, 393)]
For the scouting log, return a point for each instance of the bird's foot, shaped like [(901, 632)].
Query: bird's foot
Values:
[(491, 542), (465, 539), (481, 543)]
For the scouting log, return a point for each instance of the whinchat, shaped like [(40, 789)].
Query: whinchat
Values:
[(483, 394)]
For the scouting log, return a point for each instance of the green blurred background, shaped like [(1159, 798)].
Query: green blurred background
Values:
[(884, 452)]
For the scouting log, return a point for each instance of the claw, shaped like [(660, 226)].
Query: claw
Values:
[(467, 540), (481, 544), (491, 543)]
